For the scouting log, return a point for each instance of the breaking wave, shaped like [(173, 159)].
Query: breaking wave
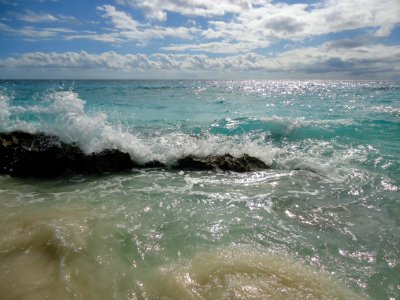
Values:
[(281, 142)]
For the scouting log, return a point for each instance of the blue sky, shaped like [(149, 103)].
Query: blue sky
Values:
[(227, 39)]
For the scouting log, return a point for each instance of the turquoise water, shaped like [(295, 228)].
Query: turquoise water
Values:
[(322, 223)]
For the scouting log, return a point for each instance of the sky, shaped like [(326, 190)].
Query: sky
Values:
[(200, 39)]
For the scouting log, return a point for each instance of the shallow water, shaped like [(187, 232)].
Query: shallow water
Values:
[(322, 223)]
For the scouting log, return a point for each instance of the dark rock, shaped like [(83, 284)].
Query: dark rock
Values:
[(24, 154), (154, 164), (108, 160), (225, 162)]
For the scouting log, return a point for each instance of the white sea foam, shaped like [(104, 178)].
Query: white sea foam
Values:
[(4, 110), (290, 124), (387, 110), (91, 131), (169, 147), (63, 114)]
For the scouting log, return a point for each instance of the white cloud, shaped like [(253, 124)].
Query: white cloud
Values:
[(309, 62), (82, 60), (340, 14), (273, 22), (4, 27), (357, 60), (35, 33), (32, 33), (257, 22), (125, 28), (121, 20), (157, 9), (104, 37), (216, 47), (34, 17)]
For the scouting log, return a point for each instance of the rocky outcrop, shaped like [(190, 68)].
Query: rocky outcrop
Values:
[(24, 154), (226, 162)]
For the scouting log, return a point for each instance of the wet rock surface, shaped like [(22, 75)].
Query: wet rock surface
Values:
[(226, 162), (25, 154)]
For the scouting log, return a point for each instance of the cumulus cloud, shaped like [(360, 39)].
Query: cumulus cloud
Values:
[(82, 60), (158, 9), (120, 19), (248, 25), (367, 62), (277, 19), (125, 28)]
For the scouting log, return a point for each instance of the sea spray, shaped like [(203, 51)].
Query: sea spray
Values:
[(4, 111), (63, 115)]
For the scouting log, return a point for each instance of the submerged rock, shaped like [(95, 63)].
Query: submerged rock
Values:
[(25, 154), (226, 162)]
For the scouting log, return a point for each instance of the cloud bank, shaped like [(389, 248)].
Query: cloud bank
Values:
[(335, 62)]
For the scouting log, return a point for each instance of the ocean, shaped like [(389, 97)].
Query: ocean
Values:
[(322, 223)]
